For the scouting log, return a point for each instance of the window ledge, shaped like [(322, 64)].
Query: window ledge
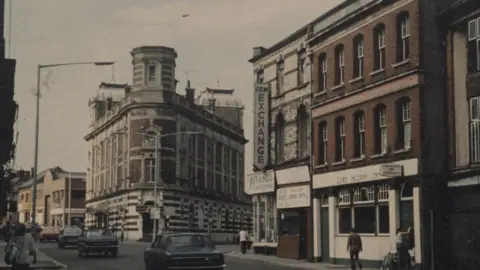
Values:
[(378, 71), (401, 63), (400, 151), (336, 163), (378, 155), (321, 166), (359, 78), (320, 93), (362, 158), (337, 86)]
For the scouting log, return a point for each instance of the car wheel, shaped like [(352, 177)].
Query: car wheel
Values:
[(114, 254), (41, 240)]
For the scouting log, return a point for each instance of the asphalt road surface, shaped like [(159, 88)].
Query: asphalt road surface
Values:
[(130, 257)]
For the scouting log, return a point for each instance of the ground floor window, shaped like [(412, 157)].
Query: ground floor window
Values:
[(365, 209), (264, 218), (289, 223)]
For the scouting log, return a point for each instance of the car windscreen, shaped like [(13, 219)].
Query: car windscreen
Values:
[(94, 233), (188, 241), (72, 231)]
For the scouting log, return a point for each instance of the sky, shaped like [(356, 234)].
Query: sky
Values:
[(213, 44)]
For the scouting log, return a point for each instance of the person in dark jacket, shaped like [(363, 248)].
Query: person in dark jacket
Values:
[(354, 247), (25, 244)]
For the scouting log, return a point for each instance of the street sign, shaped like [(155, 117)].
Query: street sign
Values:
[(156, 213), (391, 170)]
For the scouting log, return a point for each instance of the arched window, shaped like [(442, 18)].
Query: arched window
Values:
[(403, 36), (358, 61), (379, 47), (359, 136), (280, 138), (380, 129), (322, 143), (403, 124), (339, 64), (302, 131)]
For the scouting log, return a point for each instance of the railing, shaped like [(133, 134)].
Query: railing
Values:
[(475, 141)]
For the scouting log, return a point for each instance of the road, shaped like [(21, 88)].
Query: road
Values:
[(131, 257)]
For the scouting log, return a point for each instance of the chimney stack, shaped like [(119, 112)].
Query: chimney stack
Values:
[(258, 51), (190, 94)]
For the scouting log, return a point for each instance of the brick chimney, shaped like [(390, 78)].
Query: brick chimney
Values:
[(190, 94), (258, 51)]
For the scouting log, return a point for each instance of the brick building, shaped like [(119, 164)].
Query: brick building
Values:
[(281, 184), (378, 122), (200, 175), (60, 198), (460, 24)]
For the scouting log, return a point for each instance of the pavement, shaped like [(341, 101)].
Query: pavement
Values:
[(131, 257), (43, 261)]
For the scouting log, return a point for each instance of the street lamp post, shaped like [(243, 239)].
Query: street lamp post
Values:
[(37, 124)]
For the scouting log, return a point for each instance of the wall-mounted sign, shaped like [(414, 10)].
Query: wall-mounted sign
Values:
[(391, 170), (262, 182), (293, 197), (261, 126), (293, 175)]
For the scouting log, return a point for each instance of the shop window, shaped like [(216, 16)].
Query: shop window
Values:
[(383, 210), (364, 209), (289, 224), (344, 201)]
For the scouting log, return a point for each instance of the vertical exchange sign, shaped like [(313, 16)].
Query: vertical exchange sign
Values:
[(261, 126)]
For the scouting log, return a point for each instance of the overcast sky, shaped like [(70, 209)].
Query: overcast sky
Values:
[(215, 41)]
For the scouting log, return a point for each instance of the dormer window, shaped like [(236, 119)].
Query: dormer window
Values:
[(152, 71)]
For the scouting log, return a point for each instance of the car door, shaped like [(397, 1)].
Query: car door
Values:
[(159, 253), (150, 253)]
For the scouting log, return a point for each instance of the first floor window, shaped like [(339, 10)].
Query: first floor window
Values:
[(475, 129)]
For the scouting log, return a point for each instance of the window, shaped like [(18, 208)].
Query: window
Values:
[(279, 138), (322, 144), (381, 143), (365, 209), (358, 56), (339, 65), (152, 71), (340, 139), (359, 128), (280, 76), (260, 76), (474, 46), (150, 169), (403, 37), (302, 131), (322, 76), (404, 124), (379, 47), (475, 129), (302, 56)]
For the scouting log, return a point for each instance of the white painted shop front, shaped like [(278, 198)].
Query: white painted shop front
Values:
[(365, 199), (261, 186)]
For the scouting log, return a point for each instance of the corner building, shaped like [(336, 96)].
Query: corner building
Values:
[(377, 160), (200, 154), (280, 187)]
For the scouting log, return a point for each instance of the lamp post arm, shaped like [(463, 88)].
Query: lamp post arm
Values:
[(77, 63)]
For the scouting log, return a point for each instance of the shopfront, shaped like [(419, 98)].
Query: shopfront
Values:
[(261, 186), (375, 200), (293, 201)]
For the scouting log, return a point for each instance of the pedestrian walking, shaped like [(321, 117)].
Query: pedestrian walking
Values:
[(20, 248), (354, 247), (402, 242), (243, 235)]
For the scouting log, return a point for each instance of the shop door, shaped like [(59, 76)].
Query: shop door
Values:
[(325, 232)]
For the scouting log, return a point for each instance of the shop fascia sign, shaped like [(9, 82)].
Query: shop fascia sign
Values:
[(293, 197), (261, 126), (261, 182)]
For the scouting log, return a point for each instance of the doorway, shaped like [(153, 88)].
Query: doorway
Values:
[(324, 229)]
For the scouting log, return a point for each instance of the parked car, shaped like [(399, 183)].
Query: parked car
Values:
[(97, 241), (69, 236), (49, 234), (183, 251)]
